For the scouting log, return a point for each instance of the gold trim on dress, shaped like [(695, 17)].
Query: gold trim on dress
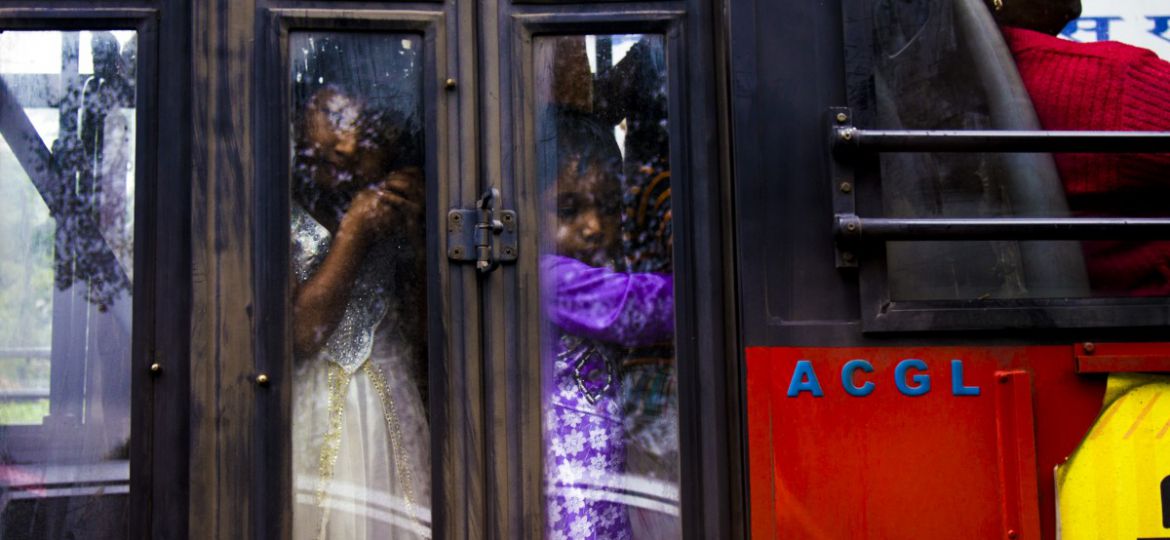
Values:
[(331, 448), (390, 413)]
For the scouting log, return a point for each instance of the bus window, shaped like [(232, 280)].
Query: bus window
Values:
[(67, 209), (361, 451), (967, 65), (1080, 80), (603, 177)]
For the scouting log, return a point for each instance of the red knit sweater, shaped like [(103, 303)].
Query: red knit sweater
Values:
[(1113, 87)]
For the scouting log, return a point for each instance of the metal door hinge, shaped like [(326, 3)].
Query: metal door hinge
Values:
[(485, 235)]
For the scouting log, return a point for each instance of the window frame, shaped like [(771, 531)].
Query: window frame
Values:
[(153, 313), (451, 442), (30, 437), (708, 476)]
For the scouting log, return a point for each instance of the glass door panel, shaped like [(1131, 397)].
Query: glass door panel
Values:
[(361, 441), (608, 358), (68, 123)]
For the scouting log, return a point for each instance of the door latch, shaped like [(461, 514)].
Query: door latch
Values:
[(484, 235)]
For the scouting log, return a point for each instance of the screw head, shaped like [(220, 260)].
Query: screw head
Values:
[(846, 135), (262, 379), (1089, 347), (156, 368), (851, 227), (1012, 533), (846, 187), (842, 117), (450, 84)]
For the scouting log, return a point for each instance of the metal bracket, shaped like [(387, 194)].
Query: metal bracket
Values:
[(484, 235), (843, 179)]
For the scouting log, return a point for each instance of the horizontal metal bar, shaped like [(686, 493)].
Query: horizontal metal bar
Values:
[(24, 394), (851, 227), (25, 352), (1003, 141)]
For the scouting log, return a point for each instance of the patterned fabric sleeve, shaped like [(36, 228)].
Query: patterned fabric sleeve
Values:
[(310, 241), (626, 309)]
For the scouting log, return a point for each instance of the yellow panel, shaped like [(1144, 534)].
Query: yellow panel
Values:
[(1110, 487)]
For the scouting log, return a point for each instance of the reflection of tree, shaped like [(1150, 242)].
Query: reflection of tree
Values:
[(90, 112), (83, 179)]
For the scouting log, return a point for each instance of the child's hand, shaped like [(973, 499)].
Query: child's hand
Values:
[(377, 210), (408, 184)]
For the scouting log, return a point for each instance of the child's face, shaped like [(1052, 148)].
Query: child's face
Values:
[(587, 206), (334, 141)]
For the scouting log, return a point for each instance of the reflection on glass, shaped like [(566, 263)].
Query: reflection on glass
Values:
[(939, 64), (985, 64), (1107, 86), (66, 206), (610, 404), (361, 452), (942, 64)]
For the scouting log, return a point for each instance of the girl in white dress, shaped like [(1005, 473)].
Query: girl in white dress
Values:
[(361, 453)]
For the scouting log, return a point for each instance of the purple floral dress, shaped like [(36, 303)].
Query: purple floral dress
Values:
[(595, 313)]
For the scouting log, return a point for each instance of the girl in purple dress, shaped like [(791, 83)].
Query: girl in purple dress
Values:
[(594, 313)]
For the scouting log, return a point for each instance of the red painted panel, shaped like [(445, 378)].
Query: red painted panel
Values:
[(888, 465), (1016, 435), (1123, 357)]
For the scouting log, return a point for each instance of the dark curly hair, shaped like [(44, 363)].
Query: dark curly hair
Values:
[(380, 73), (569, 136)]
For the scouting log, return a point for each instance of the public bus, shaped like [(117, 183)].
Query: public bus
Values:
[(284, 269)]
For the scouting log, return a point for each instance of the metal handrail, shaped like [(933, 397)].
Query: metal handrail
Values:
[(867, 140), (850, 227)]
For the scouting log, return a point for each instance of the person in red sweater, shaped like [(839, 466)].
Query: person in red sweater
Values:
[(1105, 86)]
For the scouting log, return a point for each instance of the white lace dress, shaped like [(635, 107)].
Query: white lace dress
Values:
[(361, 456)]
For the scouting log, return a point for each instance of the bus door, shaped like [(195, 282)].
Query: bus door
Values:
[(942, 336), (454, 265)]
